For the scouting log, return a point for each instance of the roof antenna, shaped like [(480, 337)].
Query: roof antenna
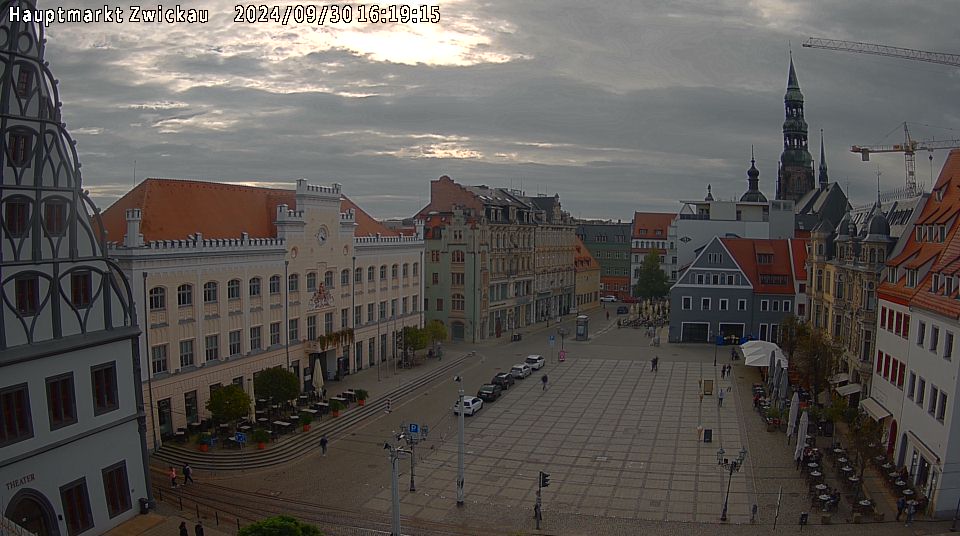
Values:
[(878, 184), (134, 172)]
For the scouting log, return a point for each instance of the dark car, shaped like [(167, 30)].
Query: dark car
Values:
[(504, 380), (622, 310), (489, 392)]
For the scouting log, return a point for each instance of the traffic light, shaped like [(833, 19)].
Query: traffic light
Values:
[(544, 479)]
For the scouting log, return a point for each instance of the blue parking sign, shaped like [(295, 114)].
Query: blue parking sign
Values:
[(241, 437), (414, 428)]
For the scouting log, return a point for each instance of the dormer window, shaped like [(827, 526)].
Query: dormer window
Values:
[(764, 258), (911, 278), (935, 283)]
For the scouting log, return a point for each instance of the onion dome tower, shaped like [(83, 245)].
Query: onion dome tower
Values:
[(753, 193)]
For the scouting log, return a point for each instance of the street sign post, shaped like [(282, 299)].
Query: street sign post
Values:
[(414, 428), (552, 340), (563, 355), (241, 438)]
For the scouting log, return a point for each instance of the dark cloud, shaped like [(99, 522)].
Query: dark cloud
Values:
[(617, 107)]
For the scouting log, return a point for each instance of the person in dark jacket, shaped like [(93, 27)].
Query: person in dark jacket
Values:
[(198, 529), (183, 529)]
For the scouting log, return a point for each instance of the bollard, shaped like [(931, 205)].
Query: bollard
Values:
[(238, 524), (198, 510), (216, 517), (753, 514), (180, 498), (803, 519)]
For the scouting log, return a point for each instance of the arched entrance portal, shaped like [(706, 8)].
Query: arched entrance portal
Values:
[(892, 440), (32, 511)]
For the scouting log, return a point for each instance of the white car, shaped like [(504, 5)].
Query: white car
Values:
[(521, 371), (608, 299), (471, 405), (536, 362)]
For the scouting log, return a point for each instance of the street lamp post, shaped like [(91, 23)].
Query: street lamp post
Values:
[(733, 466), (714, 348), (459, 380)]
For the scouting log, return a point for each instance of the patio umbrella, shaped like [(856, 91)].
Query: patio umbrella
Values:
[(317, 376), (794, 409), (771, 368), (801, 431), (784, 383), (776, 382)]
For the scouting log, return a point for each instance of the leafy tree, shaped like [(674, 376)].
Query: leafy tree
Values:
[(277, 383), (229, 404), (652, 282), (792, 331), (815, 357), (435, 331), (280, 526), (864, 432), (414, 337)]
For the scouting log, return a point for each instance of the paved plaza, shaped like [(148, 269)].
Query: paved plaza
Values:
[(617, 439)]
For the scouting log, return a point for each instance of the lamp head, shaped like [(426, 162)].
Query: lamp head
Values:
[(457, 378), (386, 446)]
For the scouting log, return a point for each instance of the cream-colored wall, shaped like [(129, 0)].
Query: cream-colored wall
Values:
[(305, 254)]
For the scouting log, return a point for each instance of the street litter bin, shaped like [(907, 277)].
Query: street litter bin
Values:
[(144, 505)]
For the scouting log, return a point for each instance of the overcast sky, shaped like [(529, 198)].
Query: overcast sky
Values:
[(617, 106)]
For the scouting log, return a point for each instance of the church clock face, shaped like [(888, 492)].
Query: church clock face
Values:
[(322, 235)]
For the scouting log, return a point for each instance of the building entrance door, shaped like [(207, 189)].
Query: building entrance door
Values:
[(165, 417), (30, 510)]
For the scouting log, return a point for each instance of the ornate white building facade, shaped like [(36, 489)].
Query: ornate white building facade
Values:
[(238, 279)]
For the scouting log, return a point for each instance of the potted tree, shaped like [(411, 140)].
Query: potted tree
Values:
[(336, 407), (204, 441), (773, 418), (362, 396), (261, 436), (305, 420)]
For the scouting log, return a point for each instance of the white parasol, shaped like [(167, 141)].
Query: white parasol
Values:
[(794, 409), (801, 435)]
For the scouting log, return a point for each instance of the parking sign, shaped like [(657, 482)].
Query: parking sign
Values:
[(414, 428), (241, 437)]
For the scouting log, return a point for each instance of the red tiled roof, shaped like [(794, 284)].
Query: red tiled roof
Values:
[(745, 250), (798, 248), (582, 258), (940, 208), (651, 221), (173, 209)]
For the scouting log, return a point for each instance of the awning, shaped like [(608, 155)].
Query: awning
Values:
[(848, 389), (839, 378), (874, 409)]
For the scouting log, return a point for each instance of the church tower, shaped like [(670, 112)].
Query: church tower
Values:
[(795, 176)]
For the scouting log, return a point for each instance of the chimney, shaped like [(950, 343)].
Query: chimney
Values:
[(133, 238)]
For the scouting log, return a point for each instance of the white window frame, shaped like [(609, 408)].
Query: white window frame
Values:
[(741, 304), (724, 304), (708, 302), (686, 303), (764, 305)]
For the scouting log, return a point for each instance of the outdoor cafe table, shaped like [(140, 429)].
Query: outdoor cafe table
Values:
[(323, 407), (854, 479), (820, 487), (339, 399), (841, 460), (846, 469), (246, 428), (824, 499), (899, 483), (839, 452), (262, 420), (816, 474), (888, 466), (908, 492), (813, 465), (350, 395)]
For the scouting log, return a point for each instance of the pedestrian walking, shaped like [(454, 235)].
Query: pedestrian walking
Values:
[(183, 529), (173, 476), (911, 510), (608, 315), (720, 396), (544, 381), (901, 506), (701, 397), (323, 444), (723, 371), (187, 474), (198, 529)]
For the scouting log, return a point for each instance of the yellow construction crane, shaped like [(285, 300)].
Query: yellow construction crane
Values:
[(909, 147)]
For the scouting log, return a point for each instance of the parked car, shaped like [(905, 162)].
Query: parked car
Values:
[(504, 380), (536, 362), (489, 392), (623, 310), (608, 298), (521, 371), (471, 405)]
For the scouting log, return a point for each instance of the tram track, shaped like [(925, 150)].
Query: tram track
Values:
[(216, 501)]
